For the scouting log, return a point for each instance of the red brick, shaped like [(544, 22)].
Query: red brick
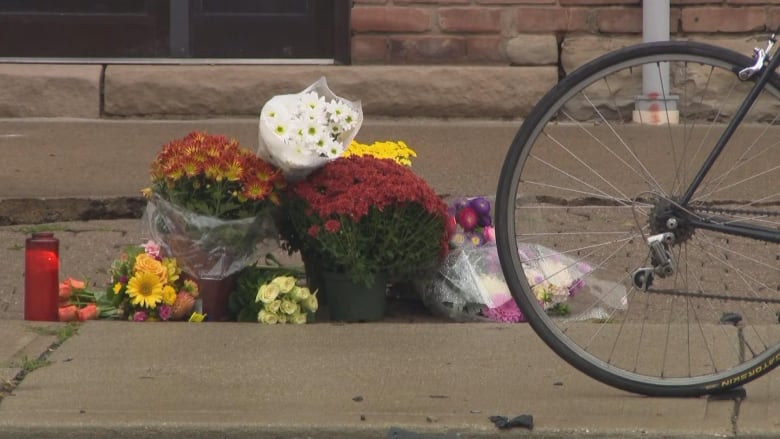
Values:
[(516, 2), (470, 20), (619, 20), (578, 19), (773, 19), (600, 2), (674, 20), (387, 19), (723, 19), (432, 2), (369, 2), (550, 19), (692, 2), (366, 48), (485, 49), (433, 49), (750, 2)]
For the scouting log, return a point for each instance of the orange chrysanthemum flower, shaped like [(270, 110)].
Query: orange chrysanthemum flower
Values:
[(213, 175)]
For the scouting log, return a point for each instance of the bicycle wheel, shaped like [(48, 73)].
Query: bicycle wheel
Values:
[(589, 179)]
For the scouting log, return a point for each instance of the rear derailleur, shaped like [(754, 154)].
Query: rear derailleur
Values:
[(661, 259)]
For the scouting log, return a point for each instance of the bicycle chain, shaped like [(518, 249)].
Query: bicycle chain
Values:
[(708, 295), (721, 210)]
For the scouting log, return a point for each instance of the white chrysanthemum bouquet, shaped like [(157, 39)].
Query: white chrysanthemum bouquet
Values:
[(301, 132)]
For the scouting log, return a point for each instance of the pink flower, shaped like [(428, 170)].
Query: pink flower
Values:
[(152, 248), (577, 285), (165, 312), (139, 316), (508, 313), (489, 234)]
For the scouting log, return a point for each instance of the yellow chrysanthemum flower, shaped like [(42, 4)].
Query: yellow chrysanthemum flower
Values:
[(172, 270), (168, 295), (145, 289), (398, 151), (117, 287)]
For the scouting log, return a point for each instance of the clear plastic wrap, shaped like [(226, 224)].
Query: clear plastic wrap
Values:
[(470, 286), (207, 247), (467, 283), (301, 132)]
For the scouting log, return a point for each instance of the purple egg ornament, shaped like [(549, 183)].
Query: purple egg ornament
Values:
[(480, 205)]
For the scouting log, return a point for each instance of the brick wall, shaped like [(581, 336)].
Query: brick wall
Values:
[(529, 32)]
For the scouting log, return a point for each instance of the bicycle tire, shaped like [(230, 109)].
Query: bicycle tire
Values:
[(537, 214)]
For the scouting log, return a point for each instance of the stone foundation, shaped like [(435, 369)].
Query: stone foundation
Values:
[(435, 91)]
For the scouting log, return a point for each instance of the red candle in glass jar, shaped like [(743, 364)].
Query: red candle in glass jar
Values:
[(41, 277)]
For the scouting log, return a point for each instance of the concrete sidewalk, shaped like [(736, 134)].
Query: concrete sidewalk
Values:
[(324, 380), (125, 380)]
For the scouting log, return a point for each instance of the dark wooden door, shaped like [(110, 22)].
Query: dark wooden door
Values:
[(84, 28), (267, 29), (286, 29)]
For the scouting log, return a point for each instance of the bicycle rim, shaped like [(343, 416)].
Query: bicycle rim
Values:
[(588, 179)]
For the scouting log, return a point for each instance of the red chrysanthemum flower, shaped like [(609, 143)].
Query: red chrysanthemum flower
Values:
[(387, 218)]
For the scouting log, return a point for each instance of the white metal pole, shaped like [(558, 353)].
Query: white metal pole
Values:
[(655, 105)]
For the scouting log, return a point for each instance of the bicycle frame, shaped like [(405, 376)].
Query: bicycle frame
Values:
[(736, 228)]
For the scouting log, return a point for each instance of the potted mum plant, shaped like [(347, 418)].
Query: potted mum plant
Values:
[(210, 203), (367, 221)]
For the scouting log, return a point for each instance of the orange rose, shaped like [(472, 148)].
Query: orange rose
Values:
[(68, 285), (148, 264), (65, 291), (68, 313), (89, 312)]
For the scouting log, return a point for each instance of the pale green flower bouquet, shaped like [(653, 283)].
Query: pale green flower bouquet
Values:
[(282, 300), (271, 294)]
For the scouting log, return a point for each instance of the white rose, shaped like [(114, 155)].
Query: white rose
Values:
[(300, 294), (310, 303), (289, 307), (267, 293), (285, 283), (298, 318), (273, 306), (267, 318)]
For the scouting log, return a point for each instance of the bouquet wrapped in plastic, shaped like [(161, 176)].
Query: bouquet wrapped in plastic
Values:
[(208, 246), (211, 203), (470, 286), (301, 132)]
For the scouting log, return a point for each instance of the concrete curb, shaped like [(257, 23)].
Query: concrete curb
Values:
[(397, 91), (176, 91), (17, 211)]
